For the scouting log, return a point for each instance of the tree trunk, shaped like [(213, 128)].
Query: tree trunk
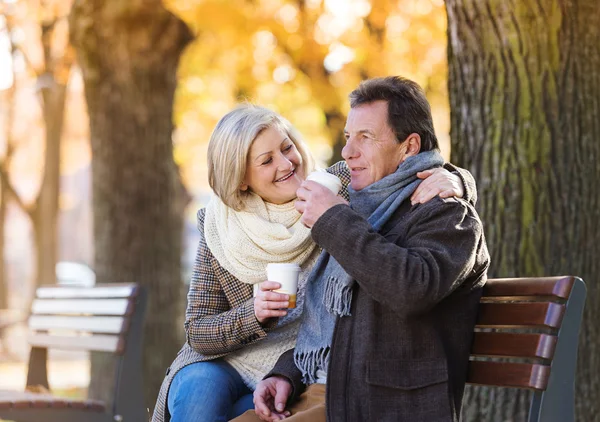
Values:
[(45, 215), (336, 122), (128, 52), (3, 278), (524, 82)]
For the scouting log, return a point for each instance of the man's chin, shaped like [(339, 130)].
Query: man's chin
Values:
[(356, 185)]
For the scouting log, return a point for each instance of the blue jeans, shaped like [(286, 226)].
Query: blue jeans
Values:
[(208, 392)]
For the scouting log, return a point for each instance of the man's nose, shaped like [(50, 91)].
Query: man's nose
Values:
[(349, 151)]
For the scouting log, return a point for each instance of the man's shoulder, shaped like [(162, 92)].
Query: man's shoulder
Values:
[(443, 208), (438, 203)]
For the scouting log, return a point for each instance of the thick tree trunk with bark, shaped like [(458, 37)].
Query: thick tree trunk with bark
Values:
[(129, 52), (524, 82)]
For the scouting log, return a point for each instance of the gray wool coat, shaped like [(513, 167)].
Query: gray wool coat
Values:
[(403, 353)]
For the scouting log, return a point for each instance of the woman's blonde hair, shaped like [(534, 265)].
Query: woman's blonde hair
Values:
[(230, 143)]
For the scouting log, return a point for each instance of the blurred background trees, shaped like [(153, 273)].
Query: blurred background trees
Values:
[(45, 59), (154, 77)]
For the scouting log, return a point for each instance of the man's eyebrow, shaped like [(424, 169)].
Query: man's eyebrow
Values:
[(362, 131), (268, 152)]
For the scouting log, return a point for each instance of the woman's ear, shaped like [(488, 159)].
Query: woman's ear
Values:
[(243, 187)]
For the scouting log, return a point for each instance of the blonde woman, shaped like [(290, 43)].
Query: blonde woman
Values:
[(256, 162)]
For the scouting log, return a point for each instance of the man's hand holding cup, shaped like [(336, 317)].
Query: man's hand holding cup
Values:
[(316, 195)]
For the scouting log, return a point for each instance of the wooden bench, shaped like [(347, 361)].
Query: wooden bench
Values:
[(104, 318), (527, 337)]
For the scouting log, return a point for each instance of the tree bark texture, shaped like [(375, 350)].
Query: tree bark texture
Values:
[(524, 82), (129, 52)]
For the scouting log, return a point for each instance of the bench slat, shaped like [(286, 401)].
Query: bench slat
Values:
[(107, 325), (514, 345), (97, 343), (559, 287), (98, 291), (27, 400), (80, 306), (539, 314), (505, 374)]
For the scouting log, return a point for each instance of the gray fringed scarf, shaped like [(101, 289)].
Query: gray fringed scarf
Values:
[(329, 287)]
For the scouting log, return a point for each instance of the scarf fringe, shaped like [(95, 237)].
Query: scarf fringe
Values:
[(338, 296), (310, 362)]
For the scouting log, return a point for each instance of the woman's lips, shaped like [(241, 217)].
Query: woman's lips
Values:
[(286, 177)]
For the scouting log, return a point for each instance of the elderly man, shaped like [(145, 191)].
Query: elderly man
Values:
[(392, 301)]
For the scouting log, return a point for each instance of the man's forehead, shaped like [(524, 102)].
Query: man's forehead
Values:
[(367, 117)]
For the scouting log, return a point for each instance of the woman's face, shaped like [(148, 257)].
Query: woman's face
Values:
[(275, 169)]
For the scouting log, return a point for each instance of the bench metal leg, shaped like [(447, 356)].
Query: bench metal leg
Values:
[(556, 404)]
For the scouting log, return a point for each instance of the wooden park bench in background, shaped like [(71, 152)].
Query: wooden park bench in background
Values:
[(103, 318), (533, 344)]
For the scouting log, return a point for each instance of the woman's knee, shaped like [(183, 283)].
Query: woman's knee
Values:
[(202, 378), (205, 388)]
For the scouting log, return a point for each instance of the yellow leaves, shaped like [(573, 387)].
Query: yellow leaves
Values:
[(301, 59)]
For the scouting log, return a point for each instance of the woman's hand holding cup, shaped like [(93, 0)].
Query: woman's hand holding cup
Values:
[(268, 304)]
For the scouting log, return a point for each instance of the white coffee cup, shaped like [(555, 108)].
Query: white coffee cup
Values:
[(287, 276), (330, 181)]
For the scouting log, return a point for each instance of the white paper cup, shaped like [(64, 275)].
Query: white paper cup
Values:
[(287, 276), (330, 181)]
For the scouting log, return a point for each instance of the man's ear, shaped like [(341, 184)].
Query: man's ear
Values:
[(413, 142)]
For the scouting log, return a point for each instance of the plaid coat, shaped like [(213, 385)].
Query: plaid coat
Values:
[(220, 312)]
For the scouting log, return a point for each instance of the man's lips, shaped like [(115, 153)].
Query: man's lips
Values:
[(287, 176)]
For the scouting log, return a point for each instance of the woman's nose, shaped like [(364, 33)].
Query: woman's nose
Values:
[(284, 163)]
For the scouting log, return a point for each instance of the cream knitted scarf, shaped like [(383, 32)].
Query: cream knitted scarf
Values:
[(244, 242)]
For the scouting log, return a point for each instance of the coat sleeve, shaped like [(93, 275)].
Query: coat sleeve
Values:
[(285, 367), (212, 325), (468, 182), (437, 253)]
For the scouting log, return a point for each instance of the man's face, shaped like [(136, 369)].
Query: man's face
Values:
[(371, 150)]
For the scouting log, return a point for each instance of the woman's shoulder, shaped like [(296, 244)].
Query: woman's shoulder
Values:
[(341, 170), (200, 215)]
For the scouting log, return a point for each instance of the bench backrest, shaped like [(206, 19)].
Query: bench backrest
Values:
[(100, 318), (83, 318), (527, 337)]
